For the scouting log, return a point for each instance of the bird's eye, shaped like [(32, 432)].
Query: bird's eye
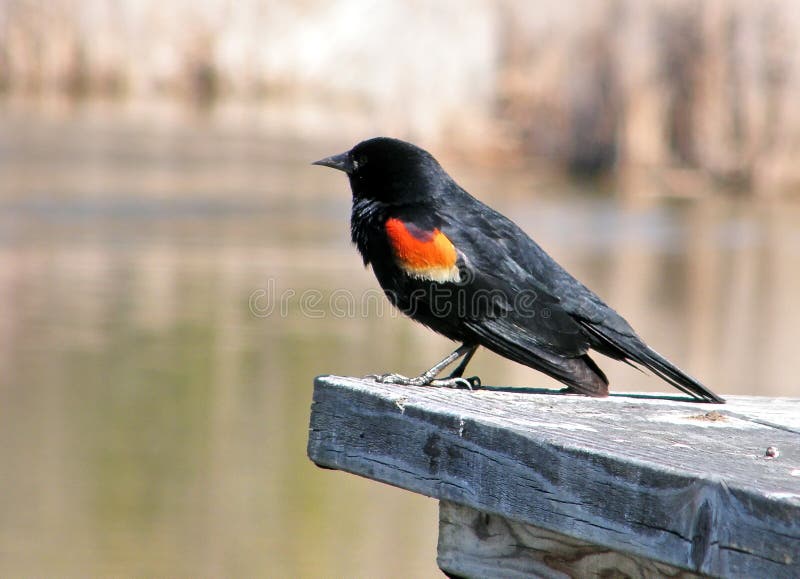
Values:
[(360, 161)]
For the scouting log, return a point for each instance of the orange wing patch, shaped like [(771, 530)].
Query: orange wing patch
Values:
[(423, 254)]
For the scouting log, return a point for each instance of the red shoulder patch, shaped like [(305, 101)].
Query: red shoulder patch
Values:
[(422, 253)]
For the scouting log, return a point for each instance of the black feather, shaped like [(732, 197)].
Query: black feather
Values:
[(552, 330)]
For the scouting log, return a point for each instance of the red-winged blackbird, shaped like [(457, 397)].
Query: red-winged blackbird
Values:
[(454, 264)]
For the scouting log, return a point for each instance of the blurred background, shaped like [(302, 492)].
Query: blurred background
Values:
[(161, 230)]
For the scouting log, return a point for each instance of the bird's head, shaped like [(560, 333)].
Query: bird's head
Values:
[(389, 170)]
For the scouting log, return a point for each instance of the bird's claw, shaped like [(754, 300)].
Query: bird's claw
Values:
[(452, 383), (472, 383), (384, 378), (392, 378)]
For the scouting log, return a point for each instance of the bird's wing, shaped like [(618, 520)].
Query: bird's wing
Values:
[(497, 247), (494, 243), (499, 303), (507, 304)]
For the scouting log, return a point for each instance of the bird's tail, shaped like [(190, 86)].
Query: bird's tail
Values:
[(665, 369), (631, 349)]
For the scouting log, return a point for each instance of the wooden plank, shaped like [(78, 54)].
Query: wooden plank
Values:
[(477, 544), (681, 483)]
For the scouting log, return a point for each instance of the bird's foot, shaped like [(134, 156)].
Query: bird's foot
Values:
[(472, 383), (392, 378)]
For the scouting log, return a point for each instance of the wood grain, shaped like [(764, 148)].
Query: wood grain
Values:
[(676, 482), (476, 544)]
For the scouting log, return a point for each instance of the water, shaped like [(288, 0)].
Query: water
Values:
[(154, 409)]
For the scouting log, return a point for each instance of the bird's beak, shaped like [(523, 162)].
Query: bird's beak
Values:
[(341, 162)]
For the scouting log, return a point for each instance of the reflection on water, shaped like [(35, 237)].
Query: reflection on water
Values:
[(153, 425)]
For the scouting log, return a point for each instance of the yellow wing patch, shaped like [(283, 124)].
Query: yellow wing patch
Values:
[(423, 254)]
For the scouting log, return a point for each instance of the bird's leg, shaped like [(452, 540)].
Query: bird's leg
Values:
[(459, 371), (429, 376), (473, 381)]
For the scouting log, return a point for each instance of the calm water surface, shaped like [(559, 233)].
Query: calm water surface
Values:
[(170, 286)]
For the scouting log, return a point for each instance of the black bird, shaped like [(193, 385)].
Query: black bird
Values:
[(471, 274)]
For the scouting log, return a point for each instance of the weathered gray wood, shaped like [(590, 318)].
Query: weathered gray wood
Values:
[(681, 483), (477, 544)]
